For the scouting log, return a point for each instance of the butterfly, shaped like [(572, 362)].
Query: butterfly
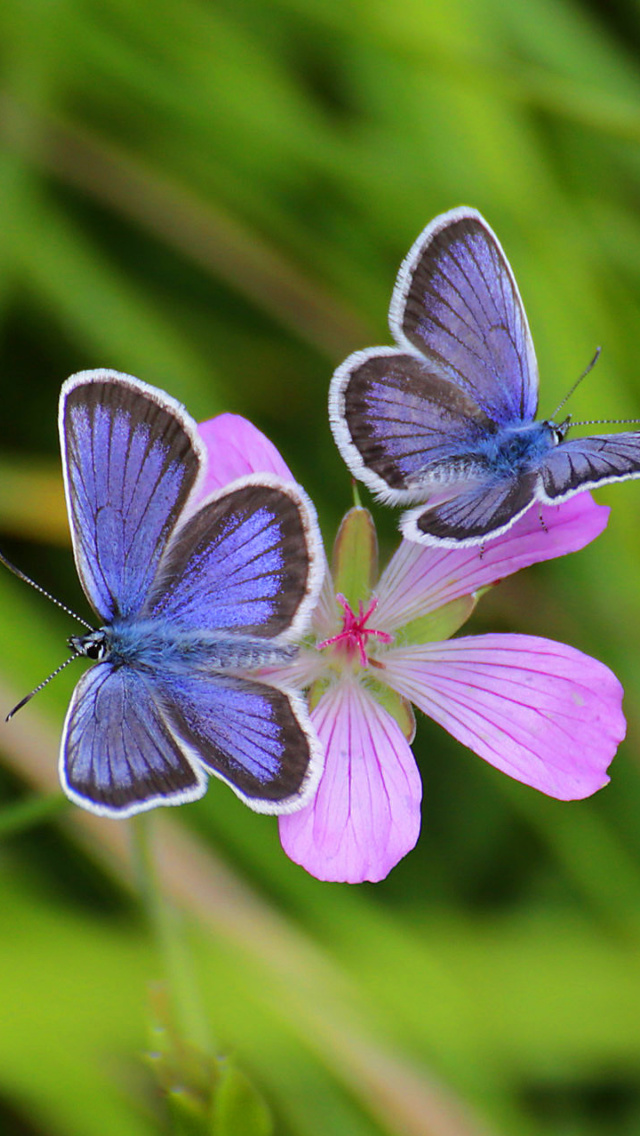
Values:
[(447, 418), (190, 595)]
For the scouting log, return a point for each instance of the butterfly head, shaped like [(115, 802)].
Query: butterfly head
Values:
[(93, 646), (559, 430)]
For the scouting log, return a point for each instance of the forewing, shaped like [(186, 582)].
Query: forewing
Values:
[(584, 463), (248, 561), (131, 457), (401, 426), (472, 517), (456, 302), (255, 737), (118, 755)]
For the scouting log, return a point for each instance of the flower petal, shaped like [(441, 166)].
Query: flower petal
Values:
[(326, 618), (419, 579), (540, 711), (305, 668), (236, 448), (366, 813)]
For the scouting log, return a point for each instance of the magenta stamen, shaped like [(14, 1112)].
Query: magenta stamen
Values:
[(355, 632)]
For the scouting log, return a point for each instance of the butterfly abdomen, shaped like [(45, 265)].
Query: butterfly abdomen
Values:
[(150, 644)]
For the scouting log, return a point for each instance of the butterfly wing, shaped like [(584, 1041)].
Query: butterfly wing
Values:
[(584, 463), (131, 457), (245, 569), (409, 429), (118, 755), (472, 516), (410, 418), (248, 562), (255, 737), (133, 740), (457, 303)]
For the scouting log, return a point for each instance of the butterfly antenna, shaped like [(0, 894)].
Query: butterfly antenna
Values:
[(577, 384), (23, 701), (27, 579), (608, 422)]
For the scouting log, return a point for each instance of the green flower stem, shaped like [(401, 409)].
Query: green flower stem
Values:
[(167, 928)]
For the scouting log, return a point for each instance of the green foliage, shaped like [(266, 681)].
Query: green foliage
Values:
[(216, 197), (204, 1095)]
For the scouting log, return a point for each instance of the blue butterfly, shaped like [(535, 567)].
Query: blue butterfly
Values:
[(190, 597), (447, 418)]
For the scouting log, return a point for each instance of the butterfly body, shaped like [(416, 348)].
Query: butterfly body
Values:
[(151, 645), (518, 449), (447, 418), (193, 595)]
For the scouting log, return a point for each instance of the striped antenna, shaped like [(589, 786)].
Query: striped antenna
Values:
[(27, 579), (608, 422), (575, 385), (40, 686)]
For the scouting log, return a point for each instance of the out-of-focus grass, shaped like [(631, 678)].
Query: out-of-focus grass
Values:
[(216, 197)]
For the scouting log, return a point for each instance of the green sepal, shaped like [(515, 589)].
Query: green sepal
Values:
[(437, 625), (354, 564), (316, 690), (398, 707)]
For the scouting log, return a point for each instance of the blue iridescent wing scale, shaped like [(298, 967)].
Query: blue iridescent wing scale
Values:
[(246, 564), (133, 740), (584, 463), (457, 303), (118, 755), (255, 737), (131, 457), (247, 561), (472, 516), (409, 427)]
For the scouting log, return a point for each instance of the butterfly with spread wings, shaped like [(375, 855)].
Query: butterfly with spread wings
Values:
[(192, 597)]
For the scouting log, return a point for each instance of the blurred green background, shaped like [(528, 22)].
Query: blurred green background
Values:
[(215, 196)]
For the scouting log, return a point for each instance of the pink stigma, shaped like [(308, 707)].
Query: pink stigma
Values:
[(355, 632)]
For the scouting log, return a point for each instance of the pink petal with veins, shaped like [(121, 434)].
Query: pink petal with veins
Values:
[(366, 813), (236, 448), (420, 579), (540, 711)]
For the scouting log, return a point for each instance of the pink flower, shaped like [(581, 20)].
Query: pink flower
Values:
[(237, 448), (542, 712)]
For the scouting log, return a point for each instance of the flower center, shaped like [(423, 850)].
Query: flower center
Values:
[(355, 633)]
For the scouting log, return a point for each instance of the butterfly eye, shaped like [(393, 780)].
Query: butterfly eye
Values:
[(92, 646)]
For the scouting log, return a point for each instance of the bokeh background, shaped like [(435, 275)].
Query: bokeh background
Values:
[(215, 196)]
